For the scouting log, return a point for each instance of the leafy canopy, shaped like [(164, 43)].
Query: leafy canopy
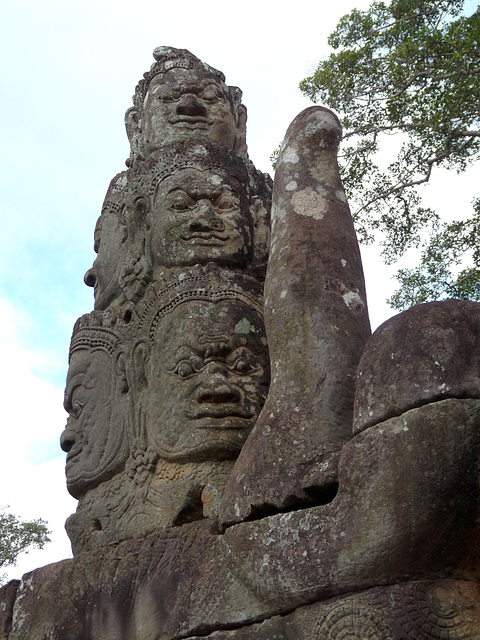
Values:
[(410, 67), (17, 536)]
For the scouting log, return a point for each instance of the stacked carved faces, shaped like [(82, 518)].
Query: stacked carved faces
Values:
[(353, 506), (170, 371)]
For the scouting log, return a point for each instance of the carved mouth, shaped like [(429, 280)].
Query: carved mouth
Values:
[(223, 412), (193, 122), (73, 454), (203, 237)]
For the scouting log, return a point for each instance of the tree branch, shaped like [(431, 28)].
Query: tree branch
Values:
[(404, 185)]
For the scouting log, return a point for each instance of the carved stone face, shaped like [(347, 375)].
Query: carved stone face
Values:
[(94, 437), (200, 217), (121, 269), (182, 104), (109, 244), (208, 377)]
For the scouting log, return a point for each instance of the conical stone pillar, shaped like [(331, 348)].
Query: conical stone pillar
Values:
[(317, 324)]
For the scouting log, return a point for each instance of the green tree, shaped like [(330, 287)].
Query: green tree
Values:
[(409, 67), (17, 537)]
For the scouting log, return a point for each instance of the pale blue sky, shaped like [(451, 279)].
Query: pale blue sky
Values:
[(68, 71)]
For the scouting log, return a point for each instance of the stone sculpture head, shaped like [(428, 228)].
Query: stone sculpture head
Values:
[(200, 207), (204, 370), (95, 437), (182, 97), (122, 267)]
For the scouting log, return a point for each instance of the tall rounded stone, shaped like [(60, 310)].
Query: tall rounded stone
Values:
[(317, 323), (425, 354)]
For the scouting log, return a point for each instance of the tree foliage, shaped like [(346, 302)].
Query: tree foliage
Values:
[(17, 536), (410, 67)]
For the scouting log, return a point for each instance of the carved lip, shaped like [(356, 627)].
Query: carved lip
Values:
[(219, 413), (195, 121), (203, 237), (229, 423), (73, 453)]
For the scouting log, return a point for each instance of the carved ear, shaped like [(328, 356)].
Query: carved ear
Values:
[(132, 123), (261, 234), (241, 134), (261, 222), (123, 225), (121, 371), (140, 357)]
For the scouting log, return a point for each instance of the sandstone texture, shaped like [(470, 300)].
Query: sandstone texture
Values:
[(427, 353), (248, 461), (317, 324)]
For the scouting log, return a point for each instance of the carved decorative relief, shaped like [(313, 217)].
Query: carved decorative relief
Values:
[(95, 437), (210, 503), (192, 372), (351, 622), (180, 97)]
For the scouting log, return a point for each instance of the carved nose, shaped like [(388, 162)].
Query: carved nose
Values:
[(206, 219), (90, 278), (67, 439), (190, 105), (217, 389)]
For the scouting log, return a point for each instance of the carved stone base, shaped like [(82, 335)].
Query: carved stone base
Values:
[(122, 509)]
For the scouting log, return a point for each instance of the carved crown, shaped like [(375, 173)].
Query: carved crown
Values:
[(209, 283)]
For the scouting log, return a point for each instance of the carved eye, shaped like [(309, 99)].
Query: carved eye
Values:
[(211, 93), (77, 407), (243, 365), (177, 92), (163, 92), (180, 201), (227, 201), (184, 369)]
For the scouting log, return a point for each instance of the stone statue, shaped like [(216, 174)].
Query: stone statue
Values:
[(202, 368), (195, 377), (182, 97), (122, 268), (95, 437), (200, 208), (340, 501)]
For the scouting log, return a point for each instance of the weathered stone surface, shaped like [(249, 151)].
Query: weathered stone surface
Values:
[(182, 97), (395, 518), (166, 495), (161, 405), (8, 594), (317, 324), (324, 533), (427, 353), (424, 610)]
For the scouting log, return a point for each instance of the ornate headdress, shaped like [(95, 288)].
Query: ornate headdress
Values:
[(196, 154), (97, 330), (209, 283), (167, 58)]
